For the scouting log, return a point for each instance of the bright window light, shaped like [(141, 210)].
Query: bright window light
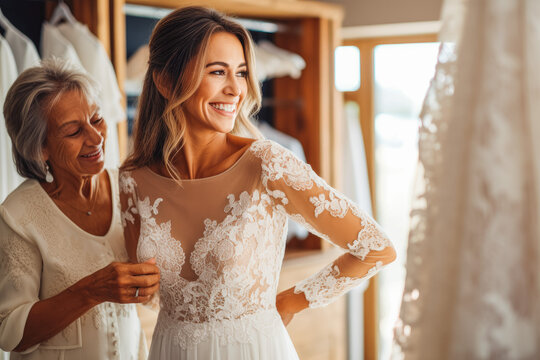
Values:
[(347, 62), (402, 74)]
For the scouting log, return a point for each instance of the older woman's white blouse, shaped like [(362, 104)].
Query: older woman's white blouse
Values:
[(42, 252)]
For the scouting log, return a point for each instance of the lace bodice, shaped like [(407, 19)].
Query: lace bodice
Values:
[(219, 241)]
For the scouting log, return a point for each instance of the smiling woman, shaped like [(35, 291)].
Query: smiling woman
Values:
[(76, 136), (65, 284), (222, 88), (211, 206), (186, 52)]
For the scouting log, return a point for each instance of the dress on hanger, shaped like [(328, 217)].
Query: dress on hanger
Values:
[(54, 44), (9, 178), (355, 181), (273, 62), (219, 242), (24, 50), (472, 289)]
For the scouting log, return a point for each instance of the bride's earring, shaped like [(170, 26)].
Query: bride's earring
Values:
[(48, 177)]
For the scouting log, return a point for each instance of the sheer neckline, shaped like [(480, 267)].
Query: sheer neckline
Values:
[(207, 178)]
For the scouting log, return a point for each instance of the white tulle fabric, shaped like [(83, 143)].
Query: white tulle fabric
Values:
[(472, 287), (219, 243)]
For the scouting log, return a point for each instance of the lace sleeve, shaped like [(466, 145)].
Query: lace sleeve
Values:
[(309, 200), (20, 278), (131, 221), (130, 214)]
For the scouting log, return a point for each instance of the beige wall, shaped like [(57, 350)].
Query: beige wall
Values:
[(373, 12)]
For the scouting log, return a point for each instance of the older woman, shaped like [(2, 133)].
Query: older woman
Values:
[(212, 206), (64, 282)]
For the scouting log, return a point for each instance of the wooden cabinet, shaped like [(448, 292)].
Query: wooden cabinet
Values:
[(306, 108)]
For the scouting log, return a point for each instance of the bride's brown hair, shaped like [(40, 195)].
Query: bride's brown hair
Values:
[(178, 48)]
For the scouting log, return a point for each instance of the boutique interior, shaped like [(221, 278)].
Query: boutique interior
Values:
[(302, 109), (344, 84)]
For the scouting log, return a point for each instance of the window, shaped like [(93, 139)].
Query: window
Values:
[(347, 68), (402, 73), (396, 72)]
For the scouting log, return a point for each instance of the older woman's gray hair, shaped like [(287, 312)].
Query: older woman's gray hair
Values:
[(29, 102)]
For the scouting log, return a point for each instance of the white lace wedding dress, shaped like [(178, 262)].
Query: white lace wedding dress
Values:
[(473, 269), (219, 242)]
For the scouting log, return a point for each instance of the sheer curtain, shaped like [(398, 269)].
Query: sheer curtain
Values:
[(472, 287)]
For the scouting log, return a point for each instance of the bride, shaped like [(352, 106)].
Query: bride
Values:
[(211, 205)]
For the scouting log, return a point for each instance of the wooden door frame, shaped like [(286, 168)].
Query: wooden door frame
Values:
[(364, 97)]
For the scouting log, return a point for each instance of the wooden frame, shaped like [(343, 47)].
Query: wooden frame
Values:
[(258, 8), (364, 98)]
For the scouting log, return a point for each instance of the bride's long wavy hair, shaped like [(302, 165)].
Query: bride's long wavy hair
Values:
[(178, 48)]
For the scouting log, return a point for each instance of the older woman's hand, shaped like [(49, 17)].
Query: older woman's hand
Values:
[(118, 282)]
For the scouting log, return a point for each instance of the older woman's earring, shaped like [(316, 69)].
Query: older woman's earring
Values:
[(48, 177)]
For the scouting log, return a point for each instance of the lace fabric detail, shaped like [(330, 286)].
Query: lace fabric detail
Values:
[(127, 186), (40, 214), (472, 289), (18, 260), (369, 238), (237, 257), (236, 261), (278, 164), (322, 288), (336, 206)]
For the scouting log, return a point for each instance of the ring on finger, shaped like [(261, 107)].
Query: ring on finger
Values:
[(137, 292)]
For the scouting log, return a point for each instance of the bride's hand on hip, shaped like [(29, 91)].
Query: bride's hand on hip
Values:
[(121, 283), (288, 304)]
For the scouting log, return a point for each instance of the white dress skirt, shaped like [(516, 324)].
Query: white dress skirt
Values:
[(267, 342)]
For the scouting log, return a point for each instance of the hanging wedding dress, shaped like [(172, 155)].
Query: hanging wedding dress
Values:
[(9, 178), (24, 50), (219, 243), (473, 267)]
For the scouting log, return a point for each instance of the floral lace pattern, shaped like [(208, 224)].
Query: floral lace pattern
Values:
[(325, 286), (15, 261), (336, 206), (368, 239), (472, 289), (237, 257), (321, 288), (235, 262)]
